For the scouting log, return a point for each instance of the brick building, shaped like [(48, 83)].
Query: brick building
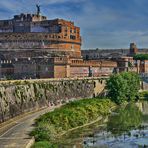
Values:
[(34, 47), (30, 31), (55, 67)]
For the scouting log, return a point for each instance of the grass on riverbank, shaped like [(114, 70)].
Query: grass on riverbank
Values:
[(72, 115), (44, 144), (143, 95)]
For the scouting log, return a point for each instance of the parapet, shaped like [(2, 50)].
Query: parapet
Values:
[(29, 17)]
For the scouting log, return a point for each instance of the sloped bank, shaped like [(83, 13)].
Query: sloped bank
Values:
[(52, 125)]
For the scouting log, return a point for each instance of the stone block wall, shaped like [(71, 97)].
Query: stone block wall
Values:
[(18, 97)]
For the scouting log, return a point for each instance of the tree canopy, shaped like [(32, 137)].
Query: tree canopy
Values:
[(123, 87), (141, 57)]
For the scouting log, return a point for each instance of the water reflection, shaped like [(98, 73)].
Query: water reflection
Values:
[(126, 127), (124, 120)]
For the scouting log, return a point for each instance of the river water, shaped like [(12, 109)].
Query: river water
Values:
[(126, 127)]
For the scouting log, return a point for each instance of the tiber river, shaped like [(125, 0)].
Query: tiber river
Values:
[(127, 127)]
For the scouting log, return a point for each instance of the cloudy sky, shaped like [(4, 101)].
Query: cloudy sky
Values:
[(103, 23)]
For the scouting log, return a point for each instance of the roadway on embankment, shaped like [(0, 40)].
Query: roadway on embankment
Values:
[(17, 135)]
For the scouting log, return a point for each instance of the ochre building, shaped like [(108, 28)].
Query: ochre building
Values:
[(31, 46), (33, 31)]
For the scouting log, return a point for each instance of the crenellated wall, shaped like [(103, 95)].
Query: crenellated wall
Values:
[(18, 97)]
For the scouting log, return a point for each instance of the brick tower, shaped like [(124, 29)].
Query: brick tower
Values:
[(133, 49)]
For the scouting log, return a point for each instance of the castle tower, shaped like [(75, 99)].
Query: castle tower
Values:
[(133, 49), (34, 31)]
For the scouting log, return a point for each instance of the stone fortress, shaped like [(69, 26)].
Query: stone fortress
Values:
[(34, 31), (31, 46)]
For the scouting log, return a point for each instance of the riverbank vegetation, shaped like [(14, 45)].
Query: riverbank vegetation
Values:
[(143, 95), (53, 124), (141, 57), (123, 87)]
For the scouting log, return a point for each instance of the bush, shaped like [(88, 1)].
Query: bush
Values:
[(123, 87), (141, 57), (144, 95), (50, 125), (44, 144)]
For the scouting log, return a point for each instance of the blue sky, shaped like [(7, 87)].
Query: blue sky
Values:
[(103, 23)]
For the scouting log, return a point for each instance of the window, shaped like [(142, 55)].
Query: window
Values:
[(6, 23), (60, 29), (72, 37)]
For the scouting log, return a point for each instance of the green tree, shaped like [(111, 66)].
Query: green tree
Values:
[(141, 57), (123, 87)]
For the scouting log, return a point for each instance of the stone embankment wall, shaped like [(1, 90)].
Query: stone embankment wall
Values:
[(18, 97)]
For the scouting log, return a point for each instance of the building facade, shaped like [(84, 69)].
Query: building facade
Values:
[(34, 31), (31, 46)]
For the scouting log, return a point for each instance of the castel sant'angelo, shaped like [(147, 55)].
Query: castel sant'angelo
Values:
[(36, 32), (31, 46)]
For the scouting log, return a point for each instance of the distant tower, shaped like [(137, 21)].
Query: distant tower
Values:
[(133, 49)]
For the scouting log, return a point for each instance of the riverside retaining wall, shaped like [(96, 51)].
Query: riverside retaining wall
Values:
[(18, 97)]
